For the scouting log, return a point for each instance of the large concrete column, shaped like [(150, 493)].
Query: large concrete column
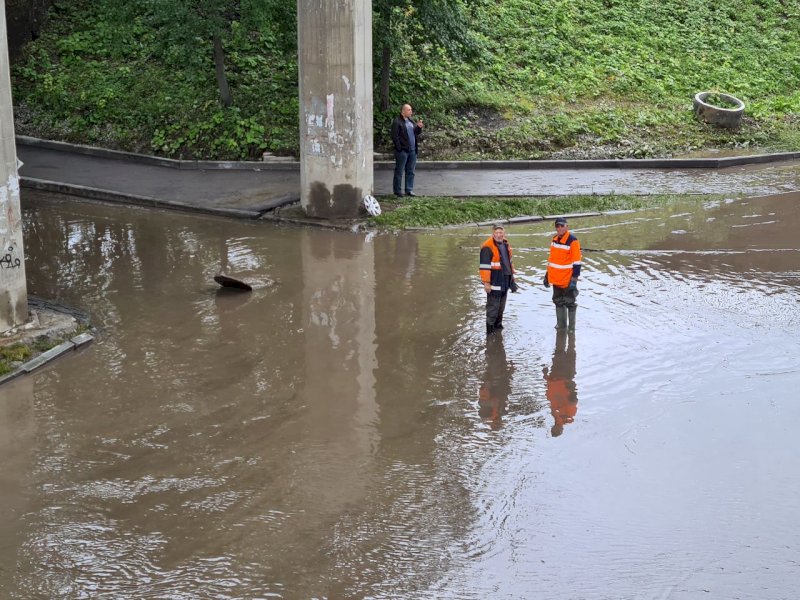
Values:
[(335, 60), (13, 290)]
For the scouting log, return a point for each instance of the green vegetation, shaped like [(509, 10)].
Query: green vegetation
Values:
[(128, 75), (439, 26), (43, 344), (400, 213), (719, 101), (19, 352), (13, 353), (532, 79)]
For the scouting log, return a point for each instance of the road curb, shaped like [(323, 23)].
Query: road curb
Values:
[(74, 343)]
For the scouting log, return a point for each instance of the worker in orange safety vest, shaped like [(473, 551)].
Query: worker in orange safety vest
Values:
[(563, 270), (497, 275)]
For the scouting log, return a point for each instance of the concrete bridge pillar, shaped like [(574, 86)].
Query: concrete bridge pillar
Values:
[(13, 289), (335, 64)]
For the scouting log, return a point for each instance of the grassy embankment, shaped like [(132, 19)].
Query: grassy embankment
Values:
[(559, 79)]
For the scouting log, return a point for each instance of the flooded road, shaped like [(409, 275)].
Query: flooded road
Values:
[(345, 431), (749, 180)]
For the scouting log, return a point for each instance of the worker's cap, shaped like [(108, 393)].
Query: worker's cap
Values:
[(561, 221)]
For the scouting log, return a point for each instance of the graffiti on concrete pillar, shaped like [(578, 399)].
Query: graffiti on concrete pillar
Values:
[(9, 258)]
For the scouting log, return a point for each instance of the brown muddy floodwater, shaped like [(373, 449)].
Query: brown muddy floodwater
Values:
[(345, 432)]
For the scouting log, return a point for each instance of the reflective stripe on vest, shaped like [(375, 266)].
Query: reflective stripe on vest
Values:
[(565, 259)]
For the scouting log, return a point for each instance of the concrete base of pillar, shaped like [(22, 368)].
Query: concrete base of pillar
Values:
[(343, 201)]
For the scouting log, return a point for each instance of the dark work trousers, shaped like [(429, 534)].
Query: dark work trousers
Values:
[(404, 162), (565, 297), (495, 306)]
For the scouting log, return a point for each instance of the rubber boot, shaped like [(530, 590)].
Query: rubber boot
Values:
[(489, 329), (571, 314), (561, 317)]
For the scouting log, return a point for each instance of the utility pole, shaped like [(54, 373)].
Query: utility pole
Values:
[(334, 51), (13, 288)]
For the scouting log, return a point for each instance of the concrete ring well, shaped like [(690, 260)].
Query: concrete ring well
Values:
[(717, 115)]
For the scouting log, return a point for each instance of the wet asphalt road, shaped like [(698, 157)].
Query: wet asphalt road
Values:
[(251, 190)]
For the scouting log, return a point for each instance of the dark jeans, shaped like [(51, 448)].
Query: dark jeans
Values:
[(495, 306), (565, 297), (404, 161)]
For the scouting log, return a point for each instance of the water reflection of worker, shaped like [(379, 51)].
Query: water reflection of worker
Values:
[(561, 391), (496, 386)]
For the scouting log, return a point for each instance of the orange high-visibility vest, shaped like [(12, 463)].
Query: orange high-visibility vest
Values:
[(492, 270), (565, 260)]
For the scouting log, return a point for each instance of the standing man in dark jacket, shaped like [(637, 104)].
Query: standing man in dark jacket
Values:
[(497, 275), (405, 136)]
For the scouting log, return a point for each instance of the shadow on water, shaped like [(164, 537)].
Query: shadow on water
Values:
[(345, 429)]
